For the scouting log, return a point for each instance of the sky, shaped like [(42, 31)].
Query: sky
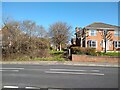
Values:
[(78, 14)]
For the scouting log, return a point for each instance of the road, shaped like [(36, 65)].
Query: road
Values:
[(58, 76)]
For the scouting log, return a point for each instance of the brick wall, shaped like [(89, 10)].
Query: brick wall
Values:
[(99, 38), (87, 58)]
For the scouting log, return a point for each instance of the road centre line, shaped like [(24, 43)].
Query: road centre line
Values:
[(10, 87), (73, 70), (11, 68), (51, 72), (31, 88)]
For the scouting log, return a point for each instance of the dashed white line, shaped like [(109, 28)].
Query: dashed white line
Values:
[(54, 89), (10, 70), (31, 88), (73, 70), (51, 72), (10, 87)]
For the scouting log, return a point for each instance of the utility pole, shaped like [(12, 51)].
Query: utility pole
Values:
[(105, 39)]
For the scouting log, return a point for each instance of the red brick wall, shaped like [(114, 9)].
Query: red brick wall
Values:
[(87, 58), (99, 38)]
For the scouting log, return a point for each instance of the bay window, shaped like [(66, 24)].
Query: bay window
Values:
[(116, 33), (117, 44), (92, 32), (92, 43)]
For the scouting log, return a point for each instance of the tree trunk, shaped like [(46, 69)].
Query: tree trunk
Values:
[(60, 47), (56, 48), (81, 42)]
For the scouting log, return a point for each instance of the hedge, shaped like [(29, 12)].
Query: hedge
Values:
[(81, 50)]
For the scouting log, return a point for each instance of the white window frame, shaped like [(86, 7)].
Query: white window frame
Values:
[(118, 42), (91, 43), (94, 32), (117, 33), (101, 43)]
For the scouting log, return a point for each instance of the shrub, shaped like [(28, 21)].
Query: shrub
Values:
[(98, 53), (75, 50), (91, 51), (81, 50)]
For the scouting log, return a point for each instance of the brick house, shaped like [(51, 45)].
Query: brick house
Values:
[(93, 36)]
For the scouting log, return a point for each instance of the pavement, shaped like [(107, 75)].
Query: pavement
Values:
[(37, 76), (100, 64)]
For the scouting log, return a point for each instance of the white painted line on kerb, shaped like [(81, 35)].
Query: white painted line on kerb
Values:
[(10, 87), (31, 88), (10, 70), (100, 74), (73, 70)]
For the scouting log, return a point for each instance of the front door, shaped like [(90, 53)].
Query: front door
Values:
[(107, 44)]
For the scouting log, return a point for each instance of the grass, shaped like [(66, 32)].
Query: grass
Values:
[(52, 52), (49, 59), (110, 54), (55, 56)]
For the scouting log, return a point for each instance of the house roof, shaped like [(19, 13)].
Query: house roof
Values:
[(100, 25)]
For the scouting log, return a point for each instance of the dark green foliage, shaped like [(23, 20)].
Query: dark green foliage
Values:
[(81, 50), (92, 51)]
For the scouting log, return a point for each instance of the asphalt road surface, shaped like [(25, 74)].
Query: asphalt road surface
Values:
[(58, 76)]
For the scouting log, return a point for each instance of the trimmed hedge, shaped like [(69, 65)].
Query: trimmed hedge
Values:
[(92, 51), (85, 51)]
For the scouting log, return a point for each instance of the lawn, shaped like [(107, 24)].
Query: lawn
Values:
[(110, 54)]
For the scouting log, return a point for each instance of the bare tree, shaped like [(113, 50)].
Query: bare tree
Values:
[(11, 35), (40, 31), (59, 33), (19, 38), (106, 36)]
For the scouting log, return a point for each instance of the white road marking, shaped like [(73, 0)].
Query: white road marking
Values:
[(73, 70), (54, 89), (31, 88), (10, 70), (36, 69), (51, 72), (10, 87)]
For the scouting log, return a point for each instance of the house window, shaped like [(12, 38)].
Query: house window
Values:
[(117, 33), (117, 44), (92, 32), (101, 43), (92, 43)]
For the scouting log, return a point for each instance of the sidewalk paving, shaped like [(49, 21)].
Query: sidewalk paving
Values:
[(101, 64)]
